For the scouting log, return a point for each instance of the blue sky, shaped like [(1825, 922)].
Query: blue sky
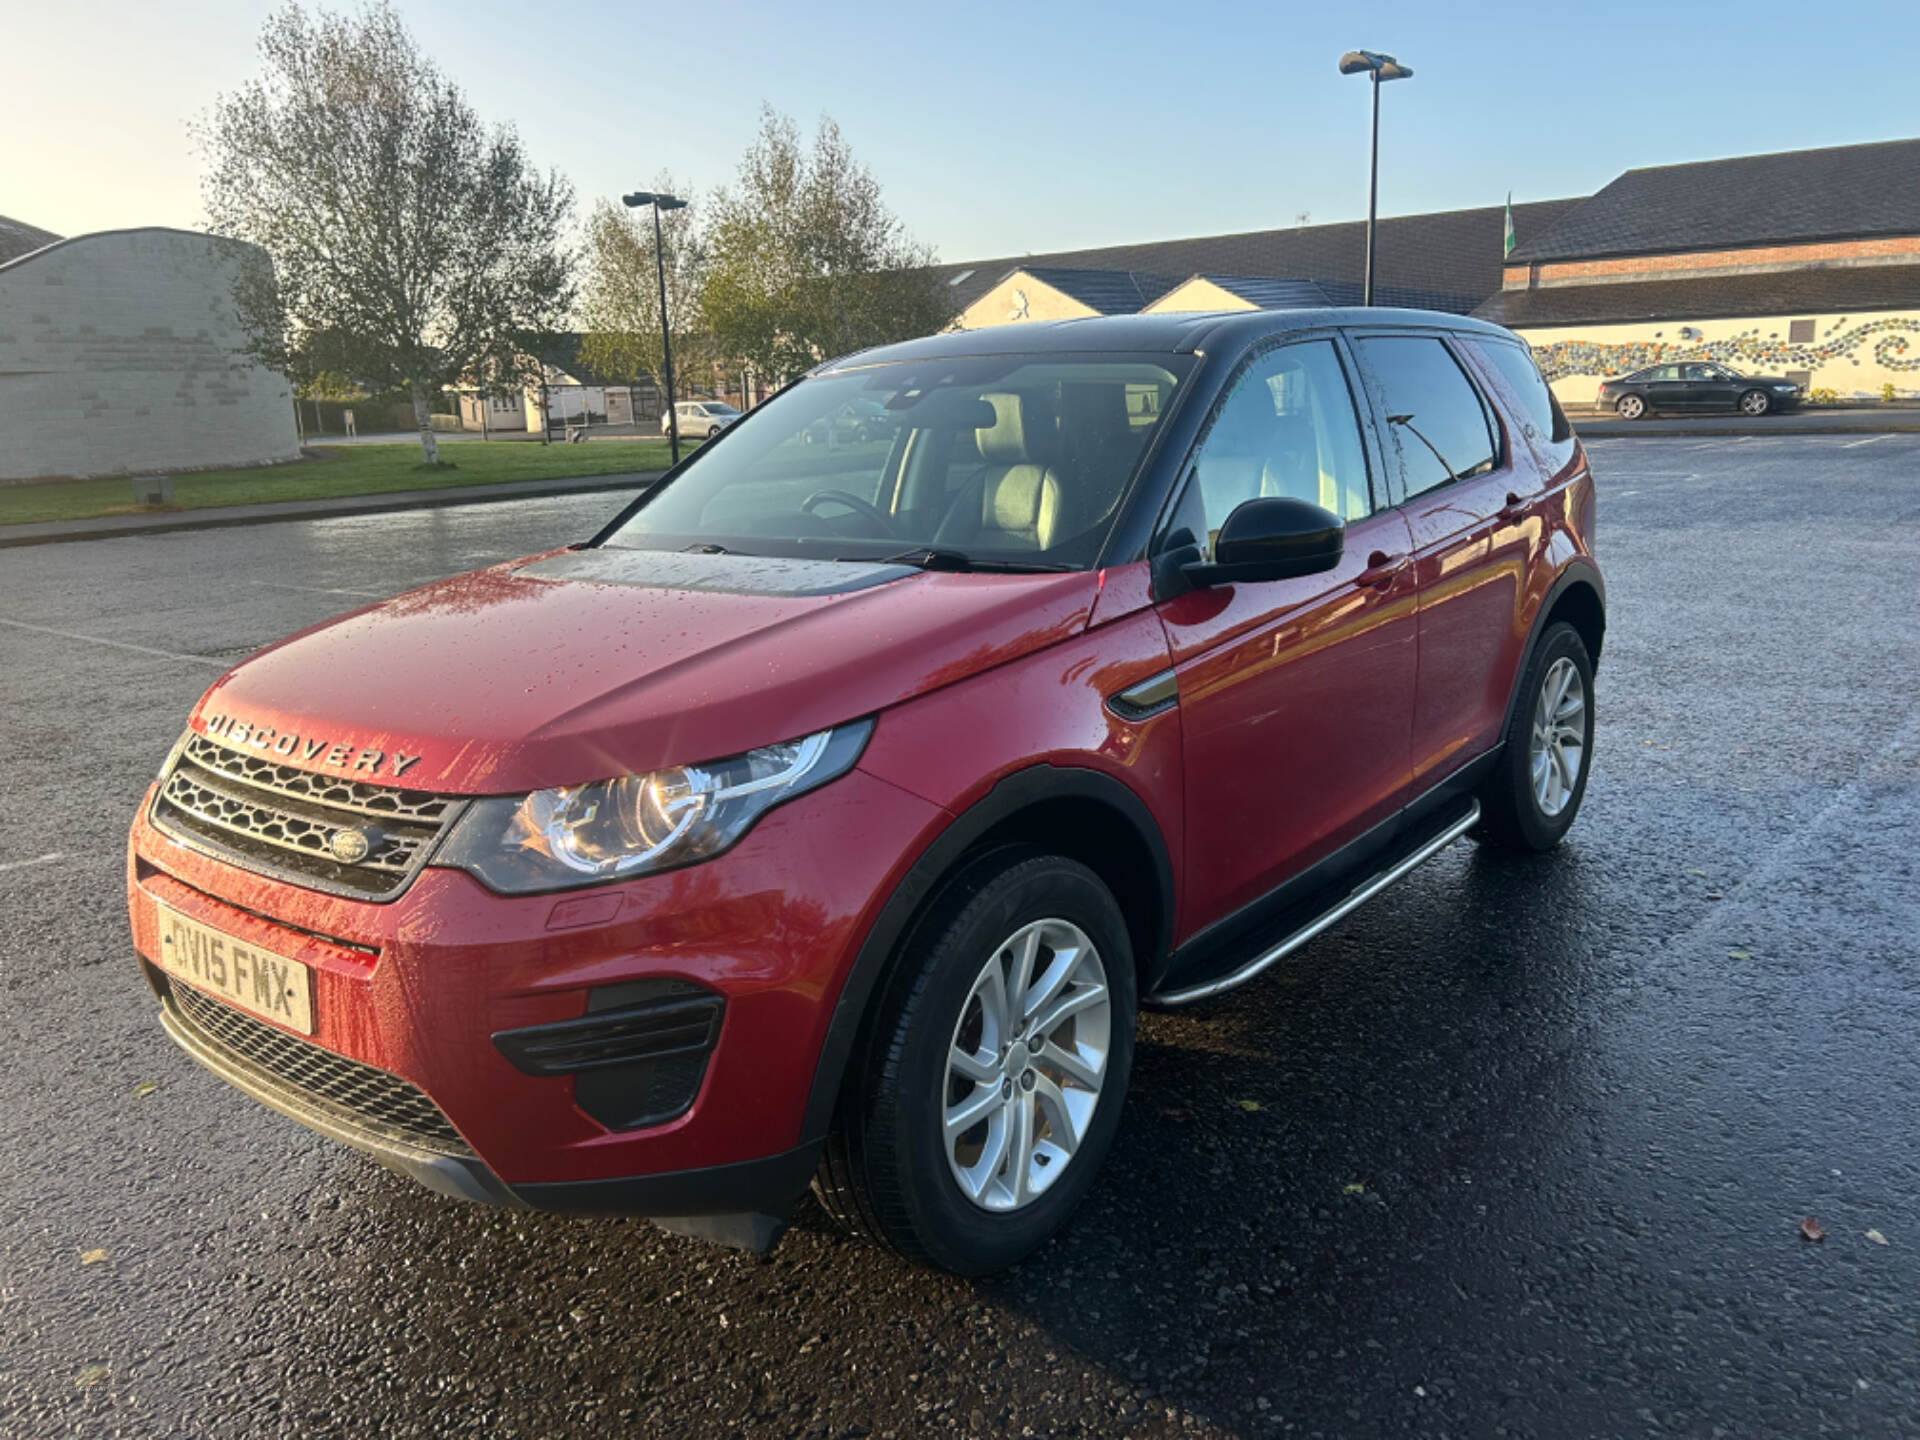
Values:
[(999, 128)]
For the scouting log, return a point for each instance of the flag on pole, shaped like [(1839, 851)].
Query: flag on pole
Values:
[(1509, 239)]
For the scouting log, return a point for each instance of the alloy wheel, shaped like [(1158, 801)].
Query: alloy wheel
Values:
[(1026, 1065), (1753, 403), (1558, 746), (1632, 407)]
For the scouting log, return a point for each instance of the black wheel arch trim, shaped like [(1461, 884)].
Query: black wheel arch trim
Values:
[(1019, 791), (1577, 572)]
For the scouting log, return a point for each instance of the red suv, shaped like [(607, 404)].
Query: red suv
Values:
[(827, 817)]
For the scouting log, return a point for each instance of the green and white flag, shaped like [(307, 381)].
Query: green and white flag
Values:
[(1509, 243)]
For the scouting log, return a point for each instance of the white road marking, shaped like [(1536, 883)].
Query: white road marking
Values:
[(1870, 440), (46, 859), (320, 590), (116, 644)]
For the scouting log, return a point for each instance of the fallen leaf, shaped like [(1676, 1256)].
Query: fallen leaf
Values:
[(90, 1375), (92, 1257), (1701, 873), (1876, 1237), (1249, 1104), (1716, 894), (1353, 1187), (1739, 955), (145, 1088), (1812, 1229)]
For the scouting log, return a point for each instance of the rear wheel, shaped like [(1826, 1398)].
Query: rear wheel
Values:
[(991, 1087), (1630, 407), (1530, 800), (1755, 402)]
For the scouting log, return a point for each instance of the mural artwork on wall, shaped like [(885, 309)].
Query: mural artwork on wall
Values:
[(1749, 350)]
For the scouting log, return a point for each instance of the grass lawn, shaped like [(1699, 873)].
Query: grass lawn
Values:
[(340, 470)]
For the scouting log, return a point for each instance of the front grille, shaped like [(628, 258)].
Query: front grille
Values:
[(277, 820), (359, 1095)]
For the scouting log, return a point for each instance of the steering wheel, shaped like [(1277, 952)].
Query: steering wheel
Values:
[(853, 502)]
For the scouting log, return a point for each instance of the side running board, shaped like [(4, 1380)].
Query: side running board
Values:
[(1325, 920)]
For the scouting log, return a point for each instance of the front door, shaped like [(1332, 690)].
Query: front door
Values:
[(1296, 696), (1710, 387), (1467, 488)]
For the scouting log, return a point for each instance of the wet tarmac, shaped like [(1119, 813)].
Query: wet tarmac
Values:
[(1519, 1149)]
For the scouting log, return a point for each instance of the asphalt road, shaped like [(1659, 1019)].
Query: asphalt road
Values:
[(1520, 1149)]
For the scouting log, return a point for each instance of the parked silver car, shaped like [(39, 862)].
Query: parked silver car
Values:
[(701, 419)]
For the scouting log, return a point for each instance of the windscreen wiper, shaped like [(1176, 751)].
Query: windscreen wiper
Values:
[(929, 557)]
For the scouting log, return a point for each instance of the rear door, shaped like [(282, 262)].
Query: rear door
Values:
[(1466, 485), (1666, 390), (1296, 696)]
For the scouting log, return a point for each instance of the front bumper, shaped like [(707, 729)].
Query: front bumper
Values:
[(423, 988)]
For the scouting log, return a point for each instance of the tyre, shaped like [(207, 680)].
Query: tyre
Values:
[(1755, 402), (989, 1085), (1630, 407), (1530, 800)]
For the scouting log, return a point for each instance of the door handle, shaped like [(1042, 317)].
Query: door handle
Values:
[(1381, 569)]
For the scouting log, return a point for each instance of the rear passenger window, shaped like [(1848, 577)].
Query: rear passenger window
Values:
[(1433, 420), (1539, 407), (1288, 428)]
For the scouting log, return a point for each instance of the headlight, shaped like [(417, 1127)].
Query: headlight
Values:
[(635, 824)]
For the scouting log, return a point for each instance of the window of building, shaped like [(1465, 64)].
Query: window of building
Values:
[(1289, 428), (1436, 428), (1800, 332)]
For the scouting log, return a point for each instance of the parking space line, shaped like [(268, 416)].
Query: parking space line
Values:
[(1870, 440), (46, 859), (116, 644)]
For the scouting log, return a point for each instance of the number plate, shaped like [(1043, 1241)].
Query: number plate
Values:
[(255, 980)]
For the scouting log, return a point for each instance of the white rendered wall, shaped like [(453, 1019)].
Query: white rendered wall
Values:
[(119, 354)]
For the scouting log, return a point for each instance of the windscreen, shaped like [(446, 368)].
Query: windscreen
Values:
[(1007, 460)]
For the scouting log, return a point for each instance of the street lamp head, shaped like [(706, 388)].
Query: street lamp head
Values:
[(669, 202), (1372, 62), (647, 197), (637, 199)]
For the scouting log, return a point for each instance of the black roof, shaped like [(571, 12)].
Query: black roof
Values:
[(1271, 292), (1799, 195), (562, 352), (1144, 334), (18, 238), (1779, 292), (1453, 255), (1110, 292)]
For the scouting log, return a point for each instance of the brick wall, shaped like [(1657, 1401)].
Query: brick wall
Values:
[(119, 355), (1891, 250)]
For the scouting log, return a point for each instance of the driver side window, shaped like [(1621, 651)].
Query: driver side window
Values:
[(1287, 428)]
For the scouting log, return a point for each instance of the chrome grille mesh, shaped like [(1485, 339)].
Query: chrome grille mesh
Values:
[(279, 820), (360, 1095)]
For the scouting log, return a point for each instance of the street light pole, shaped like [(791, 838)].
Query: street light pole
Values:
[(659, 203), (1377, 68)]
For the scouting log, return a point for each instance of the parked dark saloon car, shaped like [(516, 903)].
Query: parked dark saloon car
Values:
[(1696, 386)]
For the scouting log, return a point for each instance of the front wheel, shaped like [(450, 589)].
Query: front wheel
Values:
[(1631, 407), (991, 1087), (1535, 790), (1755, 402)]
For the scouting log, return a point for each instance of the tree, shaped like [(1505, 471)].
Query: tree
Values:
[(805, 261), (408, 245), (620, 291)]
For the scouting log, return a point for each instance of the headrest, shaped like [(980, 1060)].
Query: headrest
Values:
[(1021, 433)]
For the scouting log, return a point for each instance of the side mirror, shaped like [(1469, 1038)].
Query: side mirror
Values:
[(1271, 538)]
